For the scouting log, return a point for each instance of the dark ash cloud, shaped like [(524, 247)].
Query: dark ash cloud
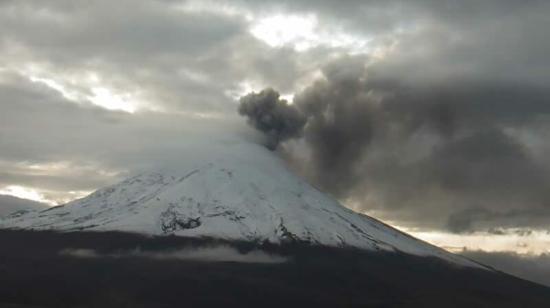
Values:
[(273, 116), (447, 148)]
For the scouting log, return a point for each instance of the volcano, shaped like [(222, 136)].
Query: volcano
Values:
[(238, 192), (241, 194)]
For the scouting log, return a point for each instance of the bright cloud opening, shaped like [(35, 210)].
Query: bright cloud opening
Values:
[(85, 87), (107, 99), (43, 196), (536, 243), (25, 193), (281, 30), (303, 32)]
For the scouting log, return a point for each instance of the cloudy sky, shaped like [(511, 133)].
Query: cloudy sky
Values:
[(430, 115)]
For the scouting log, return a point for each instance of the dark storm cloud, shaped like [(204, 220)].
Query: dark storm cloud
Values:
[(273, 116)]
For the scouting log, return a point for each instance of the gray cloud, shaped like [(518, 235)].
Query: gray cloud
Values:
[(167, 58), (529, 267), (495, 221), (182, 62), (81, 176), (57, 145)]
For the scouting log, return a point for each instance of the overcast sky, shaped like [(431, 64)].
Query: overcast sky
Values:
[(431, 115)]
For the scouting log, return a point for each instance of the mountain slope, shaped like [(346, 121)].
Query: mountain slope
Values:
[(10, 204), (125, 270), (232, 191)]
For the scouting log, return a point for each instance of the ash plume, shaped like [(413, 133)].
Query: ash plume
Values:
[(273, 116), (384, 142)]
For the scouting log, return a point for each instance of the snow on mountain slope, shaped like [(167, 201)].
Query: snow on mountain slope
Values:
[(231, 190), (10, 204)]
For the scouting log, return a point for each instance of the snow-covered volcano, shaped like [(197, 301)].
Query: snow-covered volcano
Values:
[(234, 191)]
